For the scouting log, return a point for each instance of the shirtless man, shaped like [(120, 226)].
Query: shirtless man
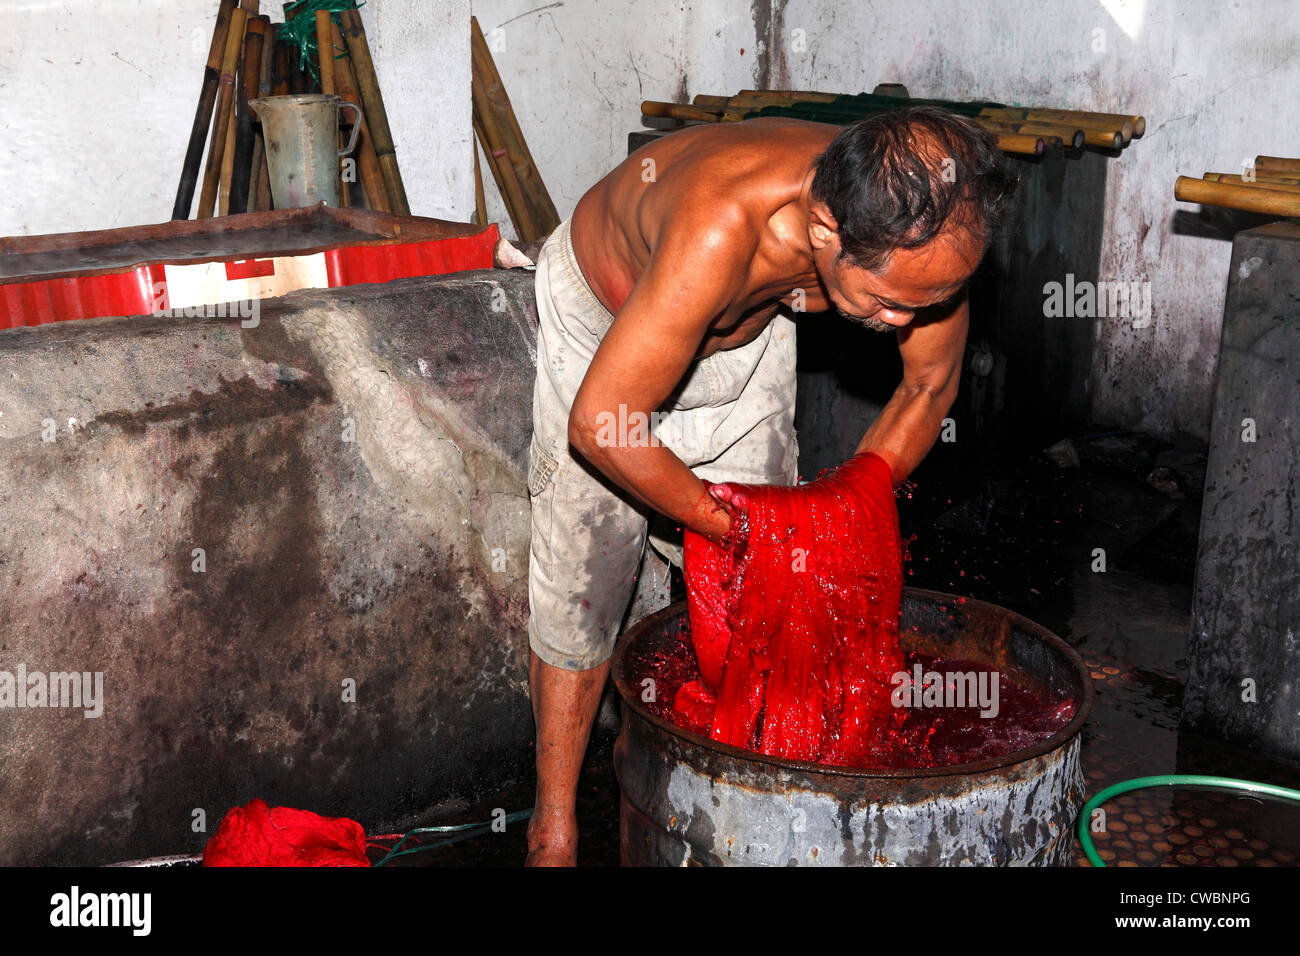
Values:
[(661, 295)]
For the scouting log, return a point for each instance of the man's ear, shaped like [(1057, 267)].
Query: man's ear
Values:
[(823, 230)]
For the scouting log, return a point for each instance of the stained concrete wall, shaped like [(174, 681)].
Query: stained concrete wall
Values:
[(97, 98), (353, 471)]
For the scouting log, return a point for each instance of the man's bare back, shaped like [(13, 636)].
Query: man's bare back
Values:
[(690, 181)]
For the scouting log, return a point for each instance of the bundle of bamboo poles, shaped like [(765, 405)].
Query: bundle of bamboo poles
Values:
[(497, 130), (1021, 130), (250, 57), (1270, 187)]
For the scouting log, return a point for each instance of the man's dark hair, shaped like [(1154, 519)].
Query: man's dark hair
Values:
[(887, 181)]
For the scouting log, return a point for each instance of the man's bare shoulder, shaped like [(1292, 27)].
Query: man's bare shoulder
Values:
[(703, 195), (730, 177)]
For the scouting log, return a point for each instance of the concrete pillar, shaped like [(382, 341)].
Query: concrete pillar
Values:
[(1244, 676)]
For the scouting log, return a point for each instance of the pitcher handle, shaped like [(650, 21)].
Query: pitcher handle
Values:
[(356, 126)]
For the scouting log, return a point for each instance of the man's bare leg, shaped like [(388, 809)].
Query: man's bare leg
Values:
[(564, 707)]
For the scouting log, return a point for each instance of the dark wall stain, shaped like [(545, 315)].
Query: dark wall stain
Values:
[(235, 403), (771, 71)]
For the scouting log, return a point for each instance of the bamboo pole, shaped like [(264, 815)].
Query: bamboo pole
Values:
[(785, 97), (480, 198), (325, 65), (481, 142), (706, 101), (1271, 202), (227, 167), (1115, 120), (503, 171), (494, 100), (222, 113), (258, 164), (679, 111), (324, 52), (487, 126), (370, 175), (1258, 177), (1278, 163), (1062, 135), (1109, 127), (203, 113), (1020, 144), (743, 104), (280, 75), (1076, 136), (354, 33), (250, 73), (1253, 183)]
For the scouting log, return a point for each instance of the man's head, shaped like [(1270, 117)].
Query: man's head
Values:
[(903, 204)]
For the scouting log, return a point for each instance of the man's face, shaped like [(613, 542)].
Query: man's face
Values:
[(889, 297)]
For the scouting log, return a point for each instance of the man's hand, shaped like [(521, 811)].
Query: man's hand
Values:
[(716, 520)]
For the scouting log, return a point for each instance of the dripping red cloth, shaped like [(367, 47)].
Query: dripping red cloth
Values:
[(258, 835), (794, 618)]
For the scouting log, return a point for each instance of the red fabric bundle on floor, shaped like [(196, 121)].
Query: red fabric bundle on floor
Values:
[(795, 619), (258, 835)]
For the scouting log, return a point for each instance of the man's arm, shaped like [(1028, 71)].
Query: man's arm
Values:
[(932, 347), (696, 272)]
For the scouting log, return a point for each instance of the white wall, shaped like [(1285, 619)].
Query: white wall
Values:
[(97, 98)]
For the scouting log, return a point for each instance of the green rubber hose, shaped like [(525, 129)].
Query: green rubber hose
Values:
[(1172, 780)]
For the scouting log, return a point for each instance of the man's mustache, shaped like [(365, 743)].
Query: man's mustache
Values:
[(870, 321)]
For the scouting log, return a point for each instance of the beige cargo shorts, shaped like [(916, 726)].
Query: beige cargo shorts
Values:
[(731, 419)]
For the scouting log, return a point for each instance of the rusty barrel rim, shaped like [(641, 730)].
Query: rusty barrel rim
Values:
[(1059, 739)]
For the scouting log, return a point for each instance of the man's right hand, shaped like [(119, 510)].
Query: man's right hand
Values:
[(715, 513)]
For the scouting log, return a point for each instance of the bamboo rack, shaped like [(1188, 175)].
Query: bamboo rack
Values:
[(1023, 130)]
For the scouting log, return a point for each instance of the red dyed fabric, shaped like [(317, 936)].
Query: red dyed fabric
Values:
[(795, 618), (258, 835)]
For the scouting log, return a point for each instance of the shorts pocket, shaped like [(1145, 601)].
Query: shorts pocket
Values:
[(541, 465), (541, 499)]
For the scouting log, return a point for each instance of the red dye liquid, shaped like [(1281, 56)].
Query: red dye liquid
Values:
[(794, 623), (927, 737)]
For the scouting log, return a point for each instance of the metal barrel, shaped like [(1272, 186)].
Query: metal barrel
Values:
[(687, 800)]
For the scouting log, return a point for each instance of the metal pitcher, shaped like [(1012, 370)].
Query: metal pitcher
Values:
[(302, 154)]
